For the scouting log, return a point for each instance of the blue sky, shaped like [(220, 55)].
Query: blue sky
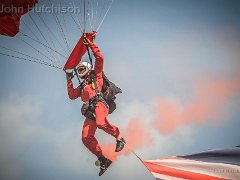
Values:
[(182, 54)]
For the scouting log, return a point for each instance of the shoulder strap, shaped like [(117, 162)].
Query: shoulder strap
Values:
[(93, 78)]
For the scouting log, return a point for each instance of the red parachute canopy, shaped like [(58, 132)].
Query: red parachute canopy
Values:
[(10, 15), (78, 52)]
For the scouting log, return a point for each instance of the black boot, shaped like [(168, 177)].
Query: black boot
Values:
[(104, 163), (120, 145)]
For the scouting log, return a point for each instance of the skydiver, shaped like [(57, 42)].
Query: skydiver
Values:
[(94, 107)]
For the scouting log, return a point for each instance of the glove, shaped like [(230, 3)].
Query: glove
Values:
[(86, 41), (69, 75)]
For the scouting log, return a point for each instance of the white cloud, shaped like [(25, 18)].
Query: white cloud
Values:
[(17, 124), (18, 119), (20, 131)]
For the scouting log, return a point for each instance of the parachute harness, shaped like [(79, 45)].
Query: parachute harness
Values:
[(88, 109), (92, 75)]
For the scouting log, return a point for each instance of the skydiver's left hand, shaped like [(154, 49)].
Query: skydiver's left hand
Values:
[(69, 76)]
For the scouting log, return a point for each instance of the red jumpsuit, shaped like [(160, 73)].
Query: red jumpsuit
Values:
[(101, 111)]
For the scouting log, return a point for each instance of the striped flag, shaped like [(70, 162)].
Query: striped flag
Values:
[(215, 164)]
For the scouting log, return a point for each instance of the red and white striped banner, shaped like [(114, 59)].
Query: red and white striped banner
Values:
[(209, 165)]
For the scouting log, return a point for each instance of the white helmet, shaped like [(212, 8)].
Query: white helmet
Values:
[(83, 69)]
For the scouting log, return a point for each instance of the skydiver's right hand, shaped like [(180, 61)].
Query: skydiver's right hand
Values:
[(69, 76), (86, 41)]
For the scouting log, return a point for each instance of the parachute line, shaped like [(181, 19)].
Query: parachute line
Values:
[(110, 5), (25, 24), (96, 16), (30, 60), (89, 17), (54, 47), (81, 20), (84, 15), (42, 36), (78, 20), (35, 24), (93, 27), (43, 45), (11, 50), (77, 23), (49, 30), (29, 44), (100, 15), (35, 49), (136, 155), (60, 27), (65, 25)]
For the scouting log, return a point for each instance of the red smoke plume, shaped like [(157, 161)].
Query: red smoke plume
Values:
[(210, 98), (137, 135), (208, 104)]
